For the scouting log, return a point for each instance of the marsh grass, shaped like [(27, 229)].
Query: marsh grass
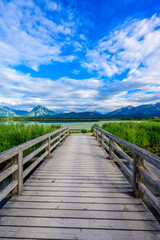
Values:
[(144, 134), (12, 135)]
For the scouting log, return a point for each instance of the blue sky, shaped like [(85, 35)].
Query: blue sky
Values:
[(88, 55)]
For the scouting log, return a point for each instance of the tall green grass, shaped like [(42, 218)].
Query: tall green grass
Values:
[(143, 134), (12, 135)]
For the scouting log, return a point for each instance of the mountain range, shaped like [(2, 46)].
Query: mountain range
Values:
[(147, 110)]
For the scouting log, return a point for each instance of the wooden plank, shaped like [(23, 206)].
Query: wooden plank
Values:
[(76, 181), (122, 153), (77, 206), (104, 190), (20, 172), (79, 194), (59, 170), (83, 185), (32, 154), (80, 176), (127, 172), (54, 139), (76, 199), (52, 213), (153, 180), (75, 234), (34, 164), (149, 195), (80, 223), (8, 189), (98, 189), (8, 172)]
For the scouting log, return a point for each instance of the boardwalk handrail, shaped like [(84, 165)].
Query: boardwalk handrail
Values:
[(46, 144), (135, 168)]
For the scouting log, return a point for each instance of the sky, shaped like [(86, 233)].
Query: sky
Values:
[(71, 55)]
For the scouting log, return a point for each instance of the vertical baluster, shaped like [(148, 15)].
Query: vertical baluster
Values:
[(101, 139), (18, 175), (137, 176), (59, 134), (48, 148), (111, 149)]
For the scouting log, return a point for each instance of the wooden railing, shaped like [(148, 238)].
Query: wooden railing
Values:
[(15, 156), (75, 130), (142, 169)]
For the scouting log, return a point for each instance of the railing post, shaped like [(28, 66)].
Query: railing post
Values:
[(96, 135), (137, 176), (20, 172), (18, 175), (68, 131), (111, 149), (59, 134), (101, 139), (48, 148)]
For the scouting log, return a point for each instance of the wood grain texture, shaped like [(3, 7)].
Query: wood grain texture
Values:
[(77, 194)]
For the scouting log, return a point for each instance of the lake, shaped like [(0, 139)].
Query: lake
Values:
[(72, 124)]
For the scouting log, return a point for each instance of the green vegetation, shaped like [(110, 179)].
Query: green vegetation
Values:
[(155, 119), (14, 134), (4, 119), (84, 130), (54, 119), (143, 134), (68, 119)]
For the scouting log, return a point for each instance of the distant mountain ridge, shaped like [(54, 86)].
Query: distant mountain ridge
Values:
[(39, 111), (147, 110), (80, 115)]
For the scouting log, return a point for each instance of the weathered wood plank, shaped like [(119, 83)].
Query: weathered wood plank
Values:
[(155, 202), (78, 206), (77, 194), (8, 189), (98, 189), (32, 154), (76, 181), (84, 185), (8, 172), (77, 214), (34, 164), (76, 199), (75, 234), (80, 223), (93, 190)]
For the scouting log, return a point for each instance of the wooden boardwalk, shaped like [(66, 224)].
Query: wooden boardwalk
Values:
[(77, 194)]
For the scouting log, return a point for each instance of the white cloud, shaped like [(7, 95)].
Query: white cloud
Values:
[(52, 6), (133, 50), (28, 36), (65, 93), (132, 44)]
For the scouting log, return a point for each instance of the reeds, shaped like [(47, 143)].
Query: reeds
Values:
[(14, 134)]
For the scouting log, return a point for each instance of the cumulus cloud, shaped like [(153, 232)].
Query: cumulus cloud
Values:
[(19, 89), (28, 36), (132, 51), (121, 62), (133, 44)]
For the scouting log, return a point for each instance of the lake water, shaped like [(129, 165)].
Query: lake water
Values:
[(71, 124), (81, 125)]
